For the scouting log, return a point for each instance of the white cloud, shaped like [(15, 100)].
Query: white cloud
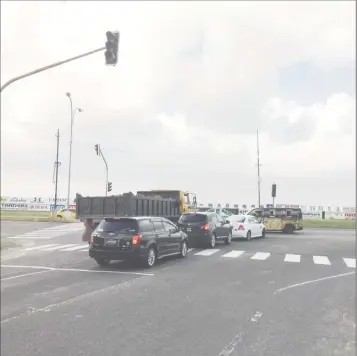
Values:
[(194, 79)]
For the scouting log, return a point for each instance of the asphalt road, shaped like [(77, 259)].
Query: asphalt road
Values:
[(61, 303)]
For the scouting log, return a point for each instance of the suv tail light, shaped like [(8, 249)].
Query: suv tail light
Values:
[(241, 227), (136, 239), (205, 227)]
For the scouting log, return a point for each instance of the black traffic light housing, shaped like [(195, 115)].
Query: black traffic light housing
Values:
[(97, 149), (112, 45), (109, 186), (273, 190)]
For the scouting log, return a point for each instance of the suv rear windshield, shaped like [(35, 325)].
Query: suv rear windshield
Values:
[(124, 225), (193, 218)]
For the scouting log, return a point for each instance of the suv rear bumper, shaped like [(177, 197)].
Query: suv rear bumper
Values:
[(116, 255)]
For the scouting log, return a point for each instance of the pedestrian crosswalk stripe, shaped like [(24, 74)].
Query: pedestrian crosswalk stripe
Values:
[(233, 254), (50, 232), (58, 247), (350, 262), (39, 247), (207, 252), (291, 258), (260, 256), (321, 260)]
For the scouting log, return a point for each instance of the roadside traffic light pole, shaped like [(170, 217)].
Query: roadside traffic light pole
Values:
[(106, 167), (49, 67)]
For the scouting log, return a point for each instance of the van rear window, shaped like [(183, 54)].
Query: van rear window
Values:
[(193, 218)]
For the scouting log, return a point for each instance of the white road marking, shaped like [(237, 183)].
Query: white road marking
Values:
[(78, 270), (58, 247), (208, 252), (233, 254), (75, 248), (350, 262), (50, 307), (260, 256), (312, 281), (39, 247), (256, 316), (24, 275), (321, 260), (229, 348), (292, 258), (190, 249)]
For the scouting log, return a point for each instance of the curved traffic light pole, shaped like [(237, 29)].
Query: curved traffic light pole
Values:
[(49, 67)]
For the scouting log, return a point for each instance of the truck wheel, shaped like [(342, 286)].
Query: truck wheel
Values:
[(102, 261)]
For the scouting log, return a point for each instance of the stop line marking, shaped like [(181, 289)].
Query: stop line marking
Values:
[(321, 260)]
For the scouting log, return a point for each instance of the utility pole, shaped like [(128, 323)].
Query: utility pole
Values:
[(57, 164), (99, 152), (258, 165)]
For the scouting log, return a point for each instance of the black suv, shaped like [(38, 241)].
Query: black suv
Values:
[(205, 229), (142, 238)]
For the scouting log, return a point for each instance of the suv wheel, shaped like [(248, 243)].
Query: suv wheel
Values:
[(228, 239), (150, 257), (184, 249), (212, 243), (102, 261), (263, 233)]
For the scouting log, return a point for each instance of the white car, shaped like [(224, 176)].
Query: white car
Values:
[(246, 227)]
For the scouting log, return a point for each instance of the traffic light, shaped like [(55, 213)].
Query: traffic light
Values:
[(97, 149), (273, 190), (112, 45), (109, 186)]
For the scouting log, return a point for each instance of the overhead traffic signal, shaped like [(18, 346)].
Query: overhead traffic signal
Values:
[(112, 45), (109, 186), (97, 149), (273, 190)]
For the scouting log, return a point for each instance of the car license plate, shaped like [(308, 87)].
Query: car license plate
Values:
[(188, 229), (111, 243)]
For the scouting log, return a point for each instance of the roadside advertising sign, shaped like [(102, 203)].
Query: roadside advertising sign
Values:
[(14, 206)]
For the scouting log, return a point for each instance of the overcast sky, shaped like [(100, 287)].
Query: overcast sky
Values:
[(194, 82)]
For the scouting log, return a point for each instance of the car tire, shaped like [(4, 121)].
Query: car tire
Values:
[(228, 239), (184, 249), (289, 229), (151, 256), (263, 234), (102, 261), (212, 242), (249, 236)]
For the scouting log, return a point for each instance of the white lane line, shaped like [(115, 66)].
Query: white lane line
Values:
[(291, 258), (229, 348), (58, 247), (24, 275), (312, 281), (31, 237), (50, 307), (233, 254), (75, 248), (207, 252), (260, 256), (190, 249), (78, 270), (350, 262), (321, 260), (39, 247)]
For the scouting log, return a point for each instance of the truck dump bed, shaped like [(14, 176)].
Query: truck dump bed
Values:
[(127, 204)]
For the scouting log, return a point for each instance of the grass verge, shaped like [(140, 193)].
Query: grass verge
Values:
[(329, 224), (8, 215)]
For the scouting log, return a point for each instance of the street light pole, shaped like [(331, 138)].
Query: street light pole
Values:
[(106, 169), (70, 147)]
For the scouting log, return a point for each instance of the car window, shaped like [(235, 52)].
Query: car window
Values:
[(237, 218), (124, 225), (193, 218), (168, 226), (146, 226), (219, 218), (158, 225), (255, 221)]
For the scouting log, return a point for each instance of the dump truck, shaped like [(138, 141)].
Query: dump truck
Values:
[(91, 210)]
